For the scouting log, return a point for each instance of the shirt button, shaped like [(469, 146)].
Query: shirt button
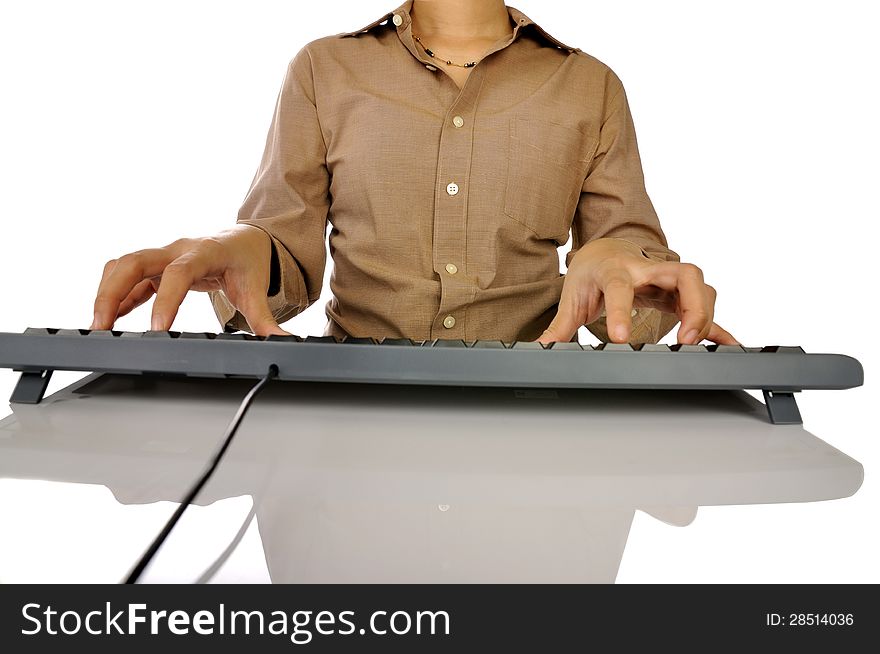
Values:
[(633, 313), (452, 188), (458, 121), (451, 268), (449, 322), (430, 67), (397, 20)]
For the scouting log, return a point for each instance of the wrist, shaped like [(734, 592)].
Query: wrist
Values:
[(254, 248), (613, 245), (250, 234), (274, 282)]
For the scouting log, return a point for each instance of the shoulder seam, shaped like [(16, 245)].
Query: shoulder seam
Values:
[(315, 95)]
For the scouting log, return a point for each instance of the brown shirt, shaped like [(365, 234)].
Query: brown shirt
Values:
[(447, 204)]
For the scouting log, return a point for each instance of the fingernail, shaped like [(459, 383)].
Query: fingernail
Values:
[(96, 320), (690, 336), (620, 333), (156, 324)]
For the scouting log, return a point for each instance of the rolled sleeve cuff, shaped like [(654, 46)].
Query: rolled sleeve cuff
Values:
[(648, 326)]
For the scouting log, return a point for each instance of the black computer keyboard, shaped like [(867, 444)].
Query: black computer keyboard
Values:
[(777, 370)]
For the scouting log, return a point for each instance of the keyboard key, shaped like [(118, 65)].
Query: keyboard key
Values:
[(40, 331), (103, 333), (72, 332), (565, 345), (726, 348), (320, 339), (242, 336), (528, 345), (204, 336), (161, 334), (489, 345), (446, 342), (783, 349), (397, 341), (284, 338), (686, 347), (615, 347), (653, 347)]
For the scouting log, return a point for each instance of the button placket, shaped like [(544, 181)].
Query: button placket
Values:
[(450, 212)]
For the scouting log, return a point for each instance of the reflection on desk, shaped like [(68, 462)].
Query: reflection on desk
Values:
[(361, 483)]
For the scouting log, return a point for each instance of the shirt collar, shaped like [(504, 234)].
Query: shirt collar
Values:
[(519, 18)]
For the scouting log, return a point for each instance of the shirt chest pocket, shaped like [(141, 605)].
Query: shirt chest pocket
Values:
[(546, 166)]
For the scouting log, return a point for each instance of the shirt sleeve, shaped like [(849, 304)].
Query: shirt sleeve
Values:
[(289, 200), (615, 204)]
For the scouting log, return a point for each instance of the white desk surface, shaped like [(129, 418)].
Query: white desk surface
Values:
[(345, 482)]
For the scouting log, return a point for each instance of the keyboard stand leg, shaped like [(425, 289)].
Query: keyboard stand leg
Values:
[(30, 387), (782, 407)]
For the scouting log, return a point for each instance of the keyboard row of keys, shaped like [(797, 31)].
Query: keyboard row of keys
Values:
[(437, 343)]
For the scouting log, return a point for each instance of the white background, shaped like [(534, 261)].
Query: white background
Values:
[(127, 125)]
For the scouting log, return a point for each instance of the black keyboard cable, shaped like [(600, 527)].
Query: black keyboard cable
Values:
[(150, 552)]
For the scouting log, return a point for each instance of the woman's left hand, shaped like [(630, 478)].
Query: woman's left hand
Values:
[(612, 273)]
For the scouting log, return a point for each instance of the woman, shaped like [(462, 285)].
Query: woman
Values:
[(452, 145)]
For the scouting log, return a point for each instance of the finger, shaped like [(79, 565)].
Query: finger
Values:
[(617, 289), (255, 309), (693, 300), (717, 334), (566, 321), (710, 308), (108, 267), (121, 278), (561, 328), (694, 303), (142, 292), (177, 279)]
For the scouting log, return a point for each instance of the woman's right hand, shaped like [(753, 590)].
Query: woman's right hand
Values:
[(235, 261)]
